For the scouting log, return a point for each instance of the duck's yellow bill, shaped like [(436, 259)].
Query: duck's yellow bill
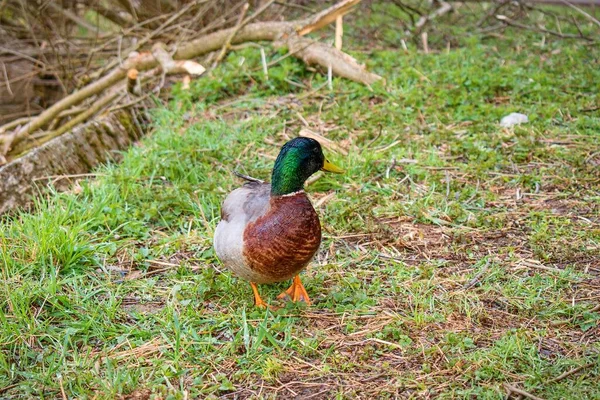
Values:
[(331, 167)]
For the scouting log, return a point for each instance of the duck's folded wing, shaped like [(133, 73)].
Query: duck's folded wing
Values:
[(241, 207), (247, 203)]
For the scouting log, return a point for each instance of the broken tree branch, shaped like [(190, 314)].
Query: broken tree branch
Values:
[(327, 16), (132, 82), (170, 66), (342, 64)]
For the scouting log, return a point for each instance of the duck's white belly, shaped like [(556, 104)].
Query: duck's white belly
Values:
[(229, 246), (229, 234)]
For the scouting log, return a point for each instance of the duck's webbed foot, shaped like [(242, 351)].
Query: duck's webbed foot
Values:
[(258, 301), (296, 292)]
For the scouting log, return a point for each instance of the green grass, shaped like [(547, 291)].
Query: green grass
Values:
[(113, 289)]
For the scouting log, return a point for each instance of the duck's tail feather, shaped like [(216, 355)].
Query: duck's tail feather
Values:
[(248, 178)]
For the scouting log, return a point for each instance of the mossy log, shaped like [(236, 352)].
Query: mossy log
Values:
[(76, 152)]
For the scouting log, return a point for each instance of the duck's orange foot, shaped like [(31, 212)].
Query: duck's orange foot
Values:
[(258, 301), (296, 292)]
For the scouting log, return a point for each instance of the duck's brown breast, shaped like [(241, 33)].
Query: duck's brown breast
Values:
[(282, 242)]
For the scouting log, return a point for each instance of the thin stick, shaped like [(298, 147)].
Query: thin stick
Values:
[(404, 46), (512, 389), (512, 23), (570, 372), (22, 55), (258, 12), (327, 16), (339, 31), (579, 10), (8, 88), (62, 388), (537, 265), (289, 54), (444, 9), (132, 82), (477, 277), (79, 21), (148, 37)]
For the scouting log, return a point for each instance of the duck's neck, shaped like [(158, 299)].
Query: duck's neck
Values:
[(285, 182), (288, 177)]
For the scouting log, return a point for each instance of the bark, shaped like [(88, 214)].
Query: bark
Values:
[(73, 153), (342, 64)]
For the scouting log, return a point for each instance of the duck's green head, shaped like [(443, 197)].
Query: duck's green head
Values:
[(298, 159)]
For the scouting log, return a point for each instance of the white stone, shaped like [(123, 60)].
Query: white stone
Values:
[(513, 119)]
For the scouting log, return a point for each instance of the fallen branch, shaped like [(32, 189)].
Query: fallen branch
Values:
[(92, 110), (281, 33), (170, 66), (342, 64), (142, 62)]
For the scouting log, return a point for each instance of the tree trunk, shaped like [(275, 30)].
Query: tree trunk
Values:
[(74, 153)]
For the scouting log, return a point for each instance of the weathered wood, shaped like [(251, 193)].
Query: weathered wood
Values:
[(73, 153)]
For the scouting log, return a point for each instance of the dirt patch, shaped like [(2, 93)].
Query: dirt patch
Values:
[(138, 394)]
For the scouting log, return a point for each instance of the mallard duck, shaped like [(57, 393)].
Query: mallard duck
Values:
[(269, 232)]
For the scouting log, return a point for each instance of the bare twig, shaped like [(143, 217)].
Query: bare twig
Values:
[(511, 389), (579, 10), (327, 16), (5, 76), (570, 372), (477, 277), (515, 24), (73, 17), (444, 9), (425, 42), (148, 37)]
